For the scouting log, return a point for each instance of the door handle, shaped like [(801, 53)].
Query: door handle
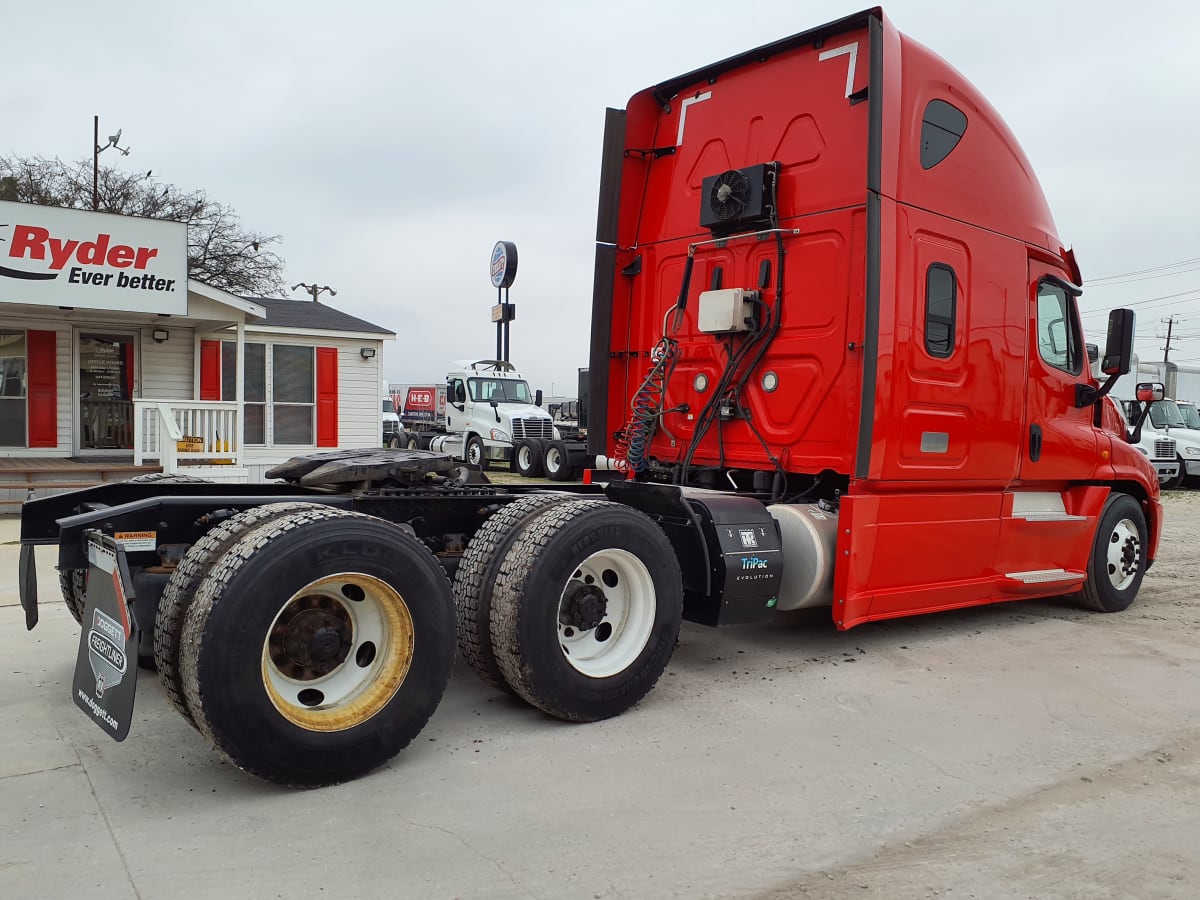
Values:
[(1035, 442)]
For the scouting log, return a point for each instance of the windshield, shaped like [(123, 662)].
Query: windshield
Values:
[(502, 390), (1191, 416), (1165, 414), (387, 406)]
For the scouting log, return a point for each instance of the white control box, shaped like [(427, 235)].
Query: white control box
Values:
[(725, 311)]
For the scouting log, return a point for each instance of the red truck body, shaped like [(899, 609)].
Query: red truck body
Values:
[(924, 342)]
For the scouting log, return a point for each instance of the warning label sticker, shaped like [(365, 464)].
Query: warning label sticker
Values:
[(136, 540)]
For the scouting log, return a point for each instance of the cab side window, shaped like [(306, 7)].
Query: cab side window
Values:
[(941, 303), (1058, 329)]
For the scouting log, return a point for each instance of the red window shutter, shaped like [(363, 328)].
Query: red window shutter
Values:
[(43, 389), (210, 370), (327, 397)]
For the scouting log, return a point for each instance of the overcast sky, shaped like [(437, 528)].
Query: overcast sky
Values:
[(392, 144)]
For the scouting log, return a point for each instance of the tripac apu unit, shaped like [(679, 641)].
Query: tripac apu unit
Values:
[(738, 199)]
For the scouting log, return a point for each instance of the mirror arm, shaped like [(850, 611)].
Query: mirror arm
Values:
[(1086, 395), (1136, 436)]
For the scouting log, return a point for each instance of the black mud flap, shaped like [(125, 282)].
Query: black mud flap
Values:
[(27, 576), (105, 675)]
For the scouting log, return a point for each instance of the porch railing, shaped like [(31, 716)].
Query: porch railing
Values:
[(182, 432)]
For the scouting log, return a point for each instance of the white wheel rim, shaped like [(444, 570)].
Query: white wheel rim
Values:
[(626, 613), (524, 457), (1124, 555), (337, 651), (553, 459), (474, 453)]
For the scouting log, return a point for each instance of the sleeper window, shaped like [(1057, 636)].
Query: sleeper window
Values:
[(941, 302)]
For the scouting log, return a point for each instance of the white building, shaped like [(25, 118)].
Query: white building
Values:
[(112, 360)]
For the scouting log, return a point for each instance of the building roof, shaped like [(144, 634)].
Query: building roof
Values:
[(285, 313)]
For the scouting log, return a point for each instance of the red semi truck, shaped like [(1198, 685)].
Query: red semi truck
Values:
[(837, 353)]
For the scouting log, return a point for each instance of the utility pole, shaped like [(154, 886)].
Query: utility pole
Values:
[(1170, 326)]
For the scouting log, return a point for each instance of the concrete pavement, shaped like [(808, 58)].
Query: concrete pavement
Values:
[(790, 760)]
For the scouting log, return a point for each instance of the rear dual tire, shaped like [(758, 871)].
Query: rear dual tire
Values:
[(475, 581), (586, 609), (557, 462), (527, 458), (316, 647), (195, 565)]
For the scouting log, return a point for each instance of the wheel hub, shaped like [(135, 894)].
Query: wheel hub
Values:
[(311, 642), (583, 607), (1130, 556)]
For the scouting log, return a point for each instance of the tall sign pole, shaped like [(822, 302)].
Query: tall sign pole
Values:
[(503, 271)]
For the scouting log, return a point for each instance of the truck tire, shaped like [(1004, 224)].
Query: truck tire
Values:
[(476, 579), (527, 458), (557, 462), (1177, 481), (412, 442), (394, 442), (586, 609), (316, 648), (73, 582), (1118, 559), (475, 454), (181, 588)]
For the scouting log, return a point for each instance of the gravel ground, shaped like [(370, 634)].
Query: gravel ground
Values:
[(1128, 828)]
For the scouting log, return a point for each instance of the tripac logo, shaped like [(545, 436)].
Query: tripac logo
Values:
[(753, 562), (35, 244)]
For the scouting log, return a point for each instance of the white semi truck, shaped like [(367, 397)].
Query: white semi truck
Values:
[(1173, 448), (489, 409)]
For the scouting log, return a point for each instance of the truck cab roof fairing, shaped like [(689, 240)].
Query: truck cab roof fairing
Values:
[(986, 179)]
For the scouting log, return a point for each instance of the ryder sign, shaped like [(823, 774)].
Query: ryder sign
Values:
[(70, 257)]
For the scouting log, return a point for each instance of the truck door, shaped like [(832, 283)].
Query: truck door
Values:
[(1060, 442), (456, 413)]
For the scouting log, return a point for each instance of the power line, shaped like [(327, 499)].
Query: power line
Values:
[(1174, 265), (1149, 300), (1092, 284)]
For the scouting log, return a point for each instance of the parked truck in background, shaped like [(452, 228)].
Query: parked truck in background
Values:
[(1166, 427), (488, 408), (1158, 448), (423, 408), (836, 351), (564, 455), (393, 432)]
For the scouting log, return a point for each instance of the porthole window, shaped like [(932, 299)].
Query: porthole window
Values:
[(942, 127)]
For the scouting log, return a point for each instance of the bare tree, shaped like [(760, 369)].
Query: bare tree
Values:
[(220, 251)]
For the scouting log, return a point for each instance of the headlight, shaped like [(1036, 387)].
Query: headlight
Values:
[(1191, 451), (498, 435), (1142, 450)]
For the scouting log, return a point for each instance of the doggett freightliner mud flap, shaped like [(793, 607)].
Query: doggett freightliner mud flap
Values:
[(105, 675)]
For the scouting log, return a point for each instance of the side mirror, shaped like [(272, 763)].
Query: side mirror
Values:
[(1118, 349), (1149, 391), (537, 397), (1093, 353)]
